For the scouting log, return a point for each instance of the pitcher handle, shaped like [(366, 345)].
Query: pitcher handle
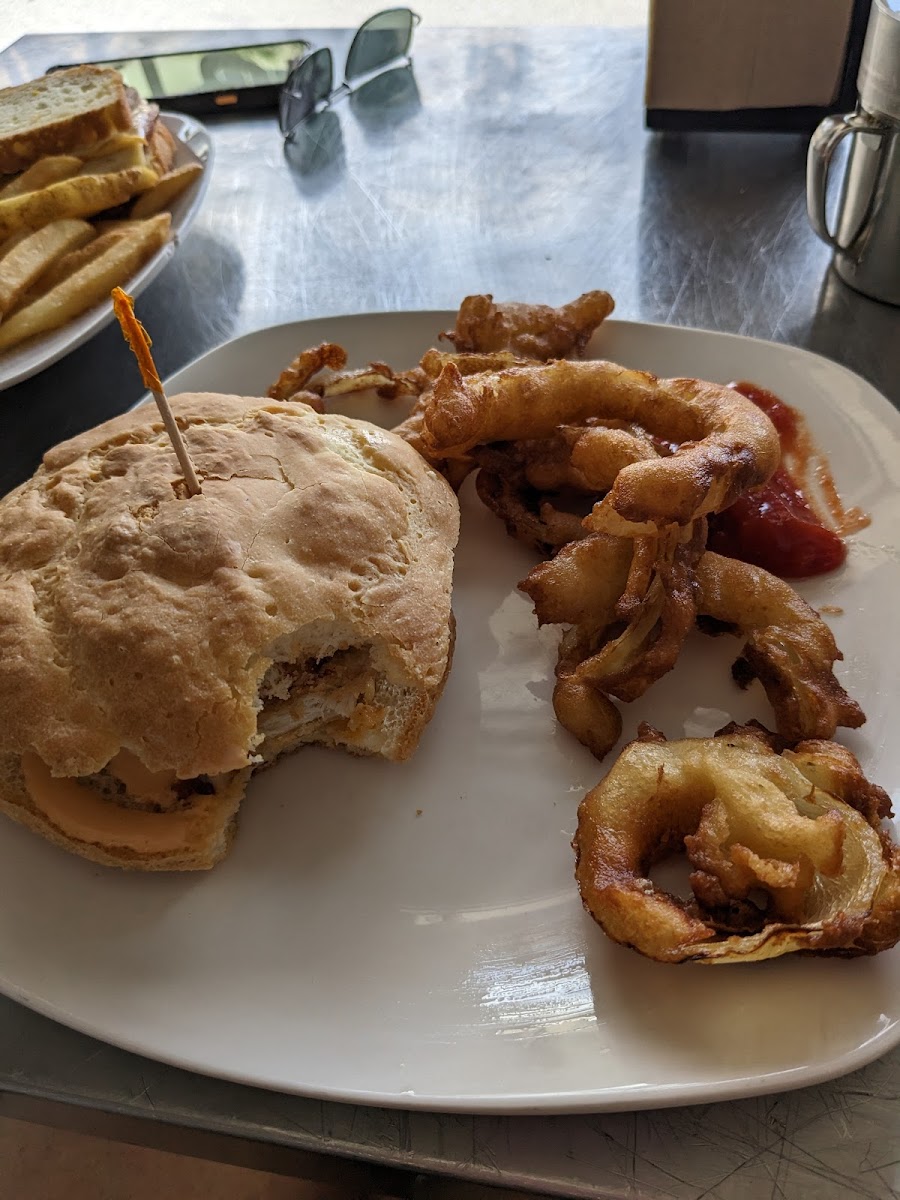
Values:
[(821, 151)]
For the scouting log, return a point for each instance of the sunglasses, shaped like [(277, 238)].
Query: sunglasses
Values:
[(380, 42)]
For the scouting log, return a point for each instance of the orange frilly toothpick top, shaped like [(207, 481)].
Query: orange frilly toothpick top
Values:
[(137, 338)]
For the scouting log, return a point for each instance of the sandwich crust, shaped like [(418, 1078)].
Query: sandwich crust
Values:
[(78, 107), (135, 617)]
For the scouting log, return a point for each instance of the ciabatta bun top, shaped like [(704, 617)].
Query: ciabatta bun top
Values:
[(133, 616)]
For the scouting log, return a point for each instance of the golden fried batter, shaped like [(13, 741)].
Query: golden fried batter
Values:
[(786, 849), (651, 618), (434, 361), (725, 443), (531, 330), (629, 603), (296, 377), (541, 524), (789, 648)]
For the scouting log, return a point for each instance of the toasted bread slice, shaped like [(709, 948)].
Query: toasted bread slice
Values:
[(59, 112)]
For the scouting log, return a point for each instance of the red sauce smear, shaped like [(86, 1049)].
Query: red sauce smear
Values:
[(776, 526)]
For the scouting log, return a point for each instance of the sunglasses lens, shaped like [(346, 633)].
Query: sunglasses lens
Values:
[(308, 84), (379, 41)]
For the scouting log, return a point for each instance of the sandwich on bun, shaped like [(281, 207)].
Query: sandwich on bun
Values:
[(156, 648)]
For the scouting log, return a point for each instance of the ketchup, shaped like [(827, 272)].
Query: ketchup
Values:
[(774, 526)]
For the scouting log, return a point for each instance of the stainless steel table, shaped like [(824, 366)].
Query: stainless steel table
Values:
[(511, 161)]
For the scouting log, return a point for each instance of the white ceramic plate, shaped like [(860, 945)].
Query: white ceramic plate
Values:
[(192, 144), (411, 935)]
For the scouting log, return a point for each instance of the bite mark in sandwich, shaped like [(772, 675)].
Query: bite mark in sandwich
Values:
[(156, 649)]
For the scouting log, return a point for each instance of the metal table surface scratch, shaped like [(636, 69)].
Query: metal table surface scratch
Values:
[(512, 161)]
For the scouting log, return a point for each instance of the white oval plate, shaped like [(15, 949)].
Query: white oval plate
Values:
[(192, 144), (411, 935)]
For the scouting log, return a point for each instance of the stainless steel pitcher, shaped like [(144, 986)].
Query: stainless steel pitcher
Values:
[(866, 236)]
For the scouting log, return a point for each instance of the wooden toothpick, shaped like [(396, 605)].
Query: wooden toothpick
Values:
[(137, 339)]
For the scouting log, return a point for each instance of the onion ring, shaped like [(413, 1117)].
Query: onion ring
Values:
[(725, 443), (657, 609), (412, 430), (542, 526), (629, 603), (586, 459), (377, 376), (308, 363), (789, 648), (794, 826), (599, 453), (532, 330), (433, 362), (587, 714)]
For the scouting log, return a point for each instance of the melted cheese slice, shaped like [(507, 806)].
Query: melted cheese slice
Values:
[(80, 813)]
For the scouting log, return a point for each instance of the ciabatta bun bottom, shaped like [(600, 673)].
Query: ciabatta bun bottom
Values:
[(207, 842), (361, 713)]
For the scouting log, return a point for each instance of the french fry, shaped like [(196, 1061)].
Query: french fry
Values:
[(118, 141), (12, 241), (133, 154), (88, 286), (112, 223), (163, 193), (81, 196), (27, 261), (69, 263), (41, 174)]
